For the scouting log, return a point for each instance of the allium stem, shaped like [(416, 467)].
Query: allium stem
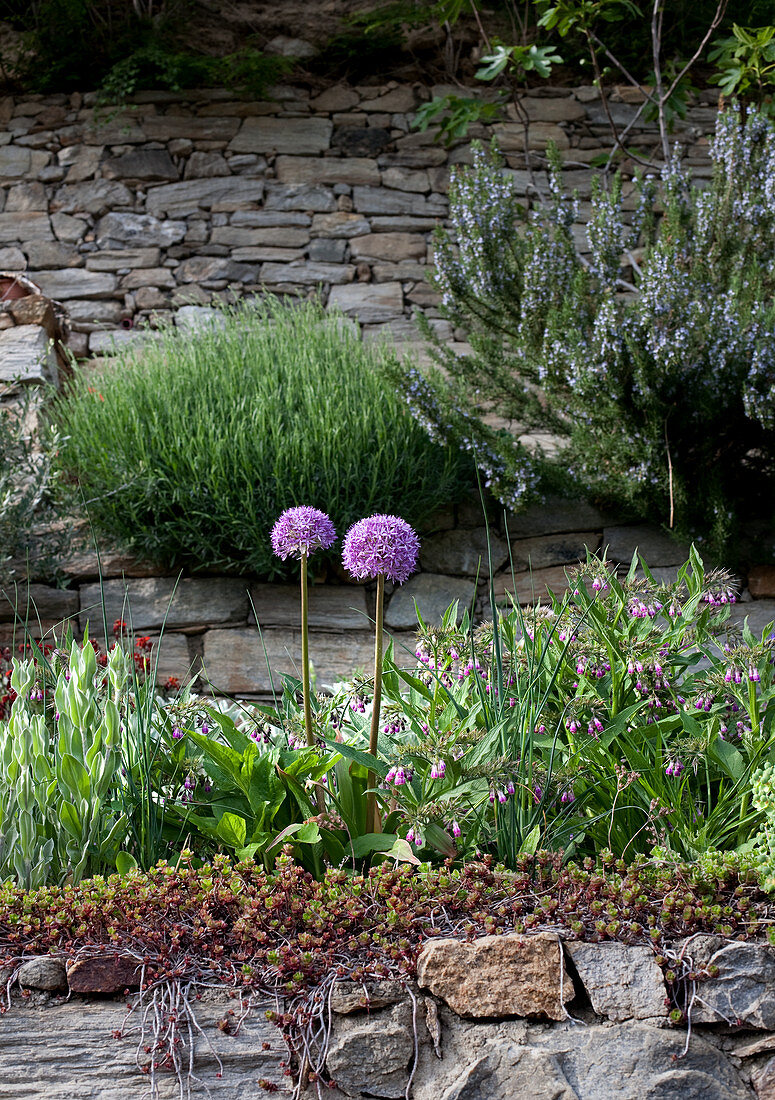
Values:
[(305, 671), (305, 653), (372, 814)]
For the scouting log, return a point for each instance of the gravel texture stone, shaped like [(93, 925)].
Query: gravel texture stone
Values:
[(496, 976)]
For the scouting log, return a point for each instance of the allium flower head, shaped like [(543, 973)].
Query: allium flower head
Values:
[(381, 546), (302, 531)]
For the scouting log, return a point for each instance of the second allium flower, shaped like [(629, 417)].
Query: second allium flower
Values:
[(381, 546)]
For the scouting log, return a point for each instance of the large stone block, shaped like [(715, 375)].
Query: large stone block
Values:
[(340, 224), (142, 164), (14, 161), (91, 197), (209, 269), (350, 170), (73, 1043), (369, 303), (381, 200), (235, 236), (27, 226), (138, 230), (548, 550), (169, 127), (432, 594), (307, 197), (553, 516), (389, 246), (27, 355), (299, 136), (497, 976), (654, 546), (30, 603), (623, 981), (112, 259), (147, 603), (75, 283), (463, 553), (744, 987), (759, 613), (307, 273), (371, 1054), (530, 587), (331, 607), (235, 661), (177, 200)]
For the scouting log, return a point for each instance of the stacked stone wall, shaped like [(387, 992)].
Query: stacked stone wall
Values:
[(182, 199)]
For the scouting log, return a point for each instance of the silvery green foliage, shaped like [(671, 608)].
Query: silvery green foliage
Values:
[(649, 349), (59, 817), (763, 795)]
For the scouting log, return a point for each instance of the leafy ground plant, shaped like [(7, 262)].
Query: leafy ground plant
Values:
[(622, 717), (189, 448)]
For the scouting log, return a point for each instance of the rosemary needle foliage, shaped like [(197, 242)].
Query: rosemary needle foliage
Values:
[(188, 448)]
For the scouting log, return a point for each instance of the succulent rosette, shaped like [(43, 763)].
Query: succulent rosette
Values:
[(381, 546), (300, 531)]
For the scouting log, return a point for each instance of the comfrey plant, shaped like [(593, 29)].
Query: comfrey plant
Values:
[(650, 352), (622, 717)]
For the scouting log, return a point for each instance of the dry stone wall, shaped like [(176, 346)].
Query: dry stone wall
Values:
[(210, 631), (507, 1017), (182, 199)]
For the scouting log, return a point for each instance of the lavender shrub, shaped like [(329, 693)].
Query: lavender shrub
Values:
[(651, 355)]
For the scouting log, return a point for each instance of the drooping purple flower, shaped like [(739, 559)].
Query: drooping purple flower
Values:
[(301, 531), (381, 546)]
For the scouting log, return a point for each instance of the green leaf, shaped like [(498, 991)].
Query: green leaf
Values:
[(372, 842), (302, 832), (125, 863), (730, 759), (232, 830), (68, 816), (75, 776), (402, 851), (440, 839), (365, 759), (530, 843)]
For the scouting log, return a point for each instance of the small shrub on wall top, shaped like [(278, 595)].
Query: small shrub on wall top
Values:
[(187, 449)]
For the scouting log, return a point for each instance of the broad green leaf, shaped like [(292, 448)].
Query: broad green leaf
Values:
[(125, 863), (231, 830), (68, 816), (530, 843), (303, 832)]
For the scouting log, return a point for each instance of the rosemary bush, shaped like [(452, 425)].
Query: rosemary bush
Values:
[(187, 450), (651, 359)]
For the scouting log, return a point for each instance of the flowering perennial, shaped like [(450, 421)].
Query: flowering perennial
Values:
[(381, 546), (302, 531)]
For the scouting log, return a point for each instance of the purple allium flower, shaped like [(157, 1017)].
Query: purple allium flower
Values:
[(381, 546), (302, 531)]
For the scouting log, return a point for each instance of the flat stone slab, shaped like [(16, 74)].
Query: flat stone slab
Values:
[(147, 601), (555, 515), (24, 602), (56, 1051), (529, 588), (545, 551), (655, 547), (236, 660), (463, 553), (331, 607), (433, 595), (300, 136), (623, 981)]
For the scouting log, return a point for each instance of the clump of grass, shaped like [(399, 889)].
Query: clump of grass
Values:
[(187, 448)]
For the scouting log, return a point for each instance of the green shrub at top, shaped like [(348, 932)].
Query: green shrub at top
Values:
[(187, 448)]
